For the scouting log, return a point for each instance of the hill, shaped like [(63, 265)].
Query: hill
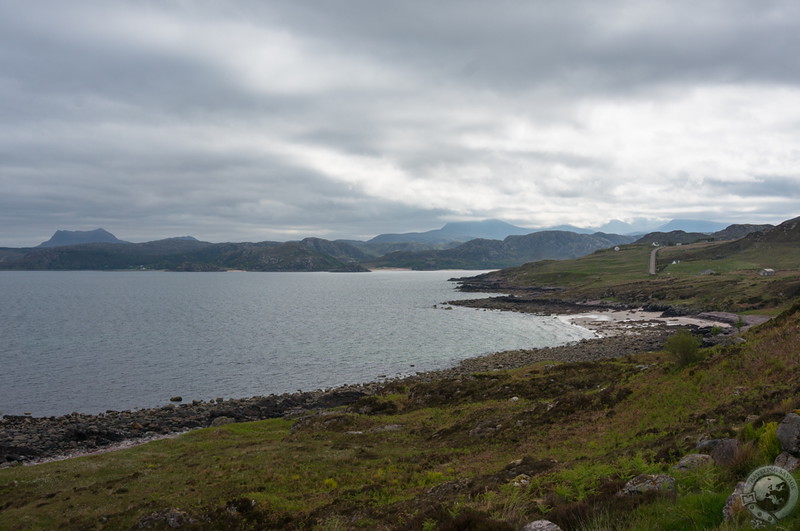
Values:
[(493, 229), (76, 237), (310, 254), (774, 248), (692, 225), (513, 250), (315, 254), (182, 254), (673, 237), (731, 232), (462, 231), (683, 283), (734, 232)]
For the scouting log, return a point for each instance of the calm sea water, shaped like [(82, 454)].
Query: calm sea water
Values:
[(92, 341)]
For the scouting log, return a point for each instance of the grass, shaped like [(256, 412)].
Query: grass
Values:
[(600, 269), (623, 276), (450, 451)]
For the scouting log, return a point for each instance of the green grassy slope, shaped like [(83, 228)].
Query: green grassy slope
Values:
[(682, 278), (499, 448)]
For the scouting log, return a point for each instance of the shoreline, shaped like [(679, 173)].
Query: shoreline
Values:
[(33, 440), (609, 323)]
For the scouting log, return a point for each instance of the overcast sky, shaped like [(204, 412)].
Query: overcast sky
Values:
[(277, 120)]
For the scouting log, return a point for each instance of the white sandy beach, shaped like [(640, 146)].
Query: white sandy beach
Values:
[(627, 322)]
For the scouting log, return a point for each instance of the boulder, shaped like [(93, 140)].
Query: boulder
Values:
[(734, 506), (706, 445), (541, 525), (692, 461), (646, 483), (725, 451), (789, 434), (787, 461)]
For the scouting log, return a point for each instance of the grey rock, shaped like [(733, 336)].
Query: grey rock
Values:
[(522, 480), (734, 505), (485, 428), (221, 421), (725, 452), (387, 427), (541, 525), (647, 482), (692, 461), (705, 445), (174, 518), (789, 434), (787, 461)]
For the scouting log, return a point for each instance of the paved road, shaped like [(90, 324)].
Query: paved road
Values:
[(653, 254)]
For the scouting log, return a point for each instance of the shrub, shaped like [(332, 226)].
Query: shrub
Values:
[(684, 347), (768, 442)]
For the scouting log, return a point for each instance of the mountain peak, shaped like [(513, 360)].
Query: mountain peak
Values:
[(75, 237)]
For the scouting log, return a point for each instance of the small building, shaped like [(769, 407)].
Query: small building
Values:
[(616, 248), (766, 272)]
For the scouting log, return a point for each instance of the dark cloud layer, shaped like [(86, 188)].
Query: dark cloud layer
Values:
[(251, 120)]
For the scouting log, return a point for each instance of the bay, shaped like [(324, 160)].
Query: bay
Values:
[(93, 341)]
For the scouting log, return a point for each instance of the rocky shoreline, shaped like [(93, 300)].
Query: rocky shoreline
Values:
[(31, 439), (25, 439)]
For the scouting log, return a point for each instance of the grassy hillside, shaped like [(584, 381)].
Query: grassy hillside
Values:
[(720, 276), (499, 448)]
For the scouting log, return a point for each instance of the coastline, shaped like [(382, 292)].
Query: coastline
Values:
[(610, 323), (33, 440)]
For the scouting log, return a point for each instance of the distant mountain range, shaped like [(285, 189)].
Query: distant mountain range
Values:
[(514, 250), (461, 231), (489, 244), (493, 229)]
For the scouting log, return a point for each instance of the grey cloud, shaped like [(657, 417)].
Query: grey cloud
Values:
[(147, 128), (762, 186), (582, 47)]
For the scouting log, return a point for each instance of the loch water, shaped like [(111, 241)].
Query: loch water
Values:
[(92, 341)]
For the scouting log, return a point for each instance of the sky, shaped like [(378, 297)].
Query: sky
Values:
[(277, 120)]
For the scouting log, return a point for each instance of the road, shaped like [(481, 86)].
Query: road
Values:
[(653, 254)]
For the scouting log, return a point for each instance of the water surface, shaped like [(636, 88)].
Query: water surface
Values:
[(93, 341)]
